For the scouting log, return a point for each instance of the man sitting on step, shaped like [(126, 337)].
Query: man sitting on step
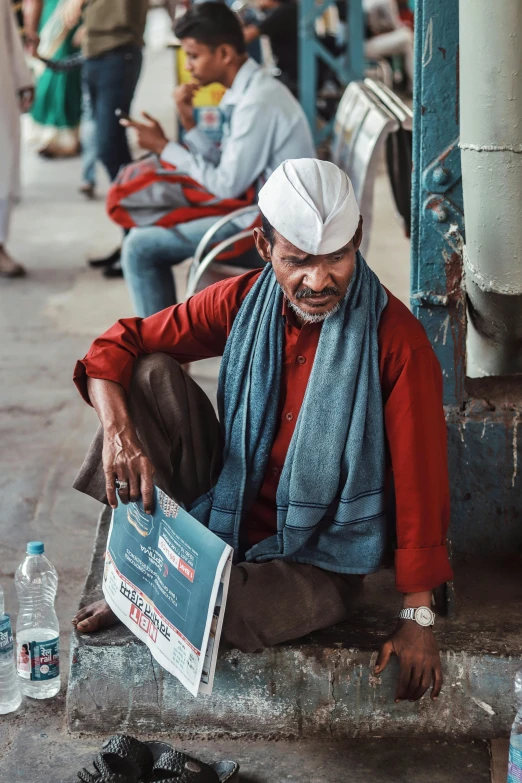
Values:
[(336, 386), (263, 125)]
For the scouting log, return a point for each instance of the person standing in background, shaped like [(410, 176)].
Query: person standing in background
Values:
[(16, 94), (87, 135), (112, 46), (56, 109), (89, 150)]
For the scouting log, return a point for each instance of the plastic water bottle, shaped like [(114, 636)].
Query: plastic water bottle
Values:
[(37, 629), (515, 743), (10, 694)]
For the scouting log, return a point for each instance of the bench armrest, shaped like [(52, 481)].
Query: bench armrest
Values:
[(197, 268), (207, 238)]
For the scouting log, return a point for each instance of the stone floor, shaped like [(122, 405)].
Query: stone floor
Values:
[(39, 747), (47, 321)]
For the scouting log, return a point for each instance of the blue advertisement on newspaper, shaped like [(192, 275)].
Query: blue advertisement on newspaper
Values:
[(166, 578)]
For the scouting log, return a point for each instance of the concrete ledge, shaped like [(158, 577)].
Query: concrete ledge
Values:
[(322, 686)]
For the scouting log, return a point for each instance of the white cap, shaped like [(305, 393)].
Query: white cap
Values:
[(311, 203)]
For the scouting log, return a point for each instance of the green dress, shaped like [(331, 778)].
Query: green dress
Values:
[(58, 95)]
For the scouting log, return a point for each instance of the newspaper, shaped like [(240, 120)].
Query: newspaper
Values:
[(166, 578)]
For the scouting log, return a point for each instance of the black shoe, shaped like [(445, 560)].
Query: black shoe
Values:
[(123, 759), (88, 190), (99, 263), (114, 270)]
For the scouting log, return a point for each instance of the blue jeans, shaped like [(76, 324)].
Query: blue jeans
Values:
[(88, 138), (111, 80), (148, 255)]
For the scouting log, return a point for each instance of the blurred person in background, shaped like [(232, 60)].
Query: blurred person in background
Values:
[(89, 146), (16, 95), (387, 35), (87, 124), (112, 45), (406, 14), (57, 106), (280, 24)]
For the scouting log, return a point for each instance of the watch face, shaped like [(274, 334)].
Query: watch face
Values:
[(424, 616)]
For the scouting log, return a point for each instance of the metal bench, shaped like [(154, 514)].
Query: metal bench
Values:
[(362, 125), (398, 150), (204, 272)]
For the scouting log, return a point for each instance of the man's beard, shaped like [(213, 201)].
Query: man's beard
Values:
[(315, 318)]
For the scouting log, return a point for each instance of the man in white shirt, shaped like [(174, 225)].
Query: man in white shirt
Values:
[(264, 125)]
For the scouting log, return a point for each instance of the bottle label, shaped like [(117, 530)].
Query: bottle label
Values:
[(6, 637), (38, 660), (515, 764)]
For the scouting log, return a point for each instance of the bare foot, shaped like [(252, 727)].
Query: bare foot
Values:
[(94, 617)]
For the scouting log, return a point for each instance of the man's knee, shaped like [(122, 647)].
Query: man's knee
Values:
[(155, 370), (141, 248), (237, 634), (240, 623)]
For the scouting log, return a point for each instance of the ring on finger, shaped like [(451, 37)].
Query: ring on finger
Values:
[(121, 484)]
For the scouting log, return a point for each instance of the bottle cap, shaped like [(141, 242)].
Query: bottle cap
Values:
[(35, 548)]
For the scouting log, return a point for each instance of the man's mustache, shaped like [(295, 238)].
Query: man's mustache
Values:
[(308, 293)]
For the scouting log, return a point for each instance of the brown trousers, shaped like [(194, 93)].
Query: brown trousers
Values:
[(267, 603)]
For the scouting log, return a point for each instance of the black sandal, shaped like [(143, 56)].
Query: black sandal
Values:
[(102, 774), (123, 759), (174, 765)]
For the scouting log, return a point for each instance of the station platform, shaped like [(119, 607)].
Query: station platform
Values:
[(320, 686)]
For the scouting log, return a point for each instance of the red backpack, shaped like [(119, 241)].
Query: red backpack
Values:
[(150, 192)]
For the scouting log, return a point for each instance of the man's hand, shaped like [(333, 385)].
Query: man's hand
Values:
[(124, 459), (184, 98), (150, 133), (419, 660)]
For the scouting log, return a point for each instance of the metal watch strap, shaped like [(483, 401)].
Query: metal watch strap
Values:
[(422, 615)]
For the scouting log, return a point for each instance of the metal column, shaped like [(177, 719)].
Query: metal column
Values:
[(491, 152), (437, 209), (484, 421)]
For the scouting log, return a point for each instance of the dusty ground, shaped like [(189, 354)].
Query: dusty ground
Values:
[(47, 321)]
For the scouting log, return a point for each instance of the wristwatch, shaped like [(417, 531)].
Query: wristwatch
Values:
[(423, 616)]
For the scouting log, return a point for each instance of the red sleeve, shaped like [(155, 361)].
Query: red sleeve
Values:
[(416, 433), (195, 329)]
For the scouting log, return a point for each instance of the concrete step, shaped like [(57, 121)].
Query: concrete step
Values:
[(322, 685)]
